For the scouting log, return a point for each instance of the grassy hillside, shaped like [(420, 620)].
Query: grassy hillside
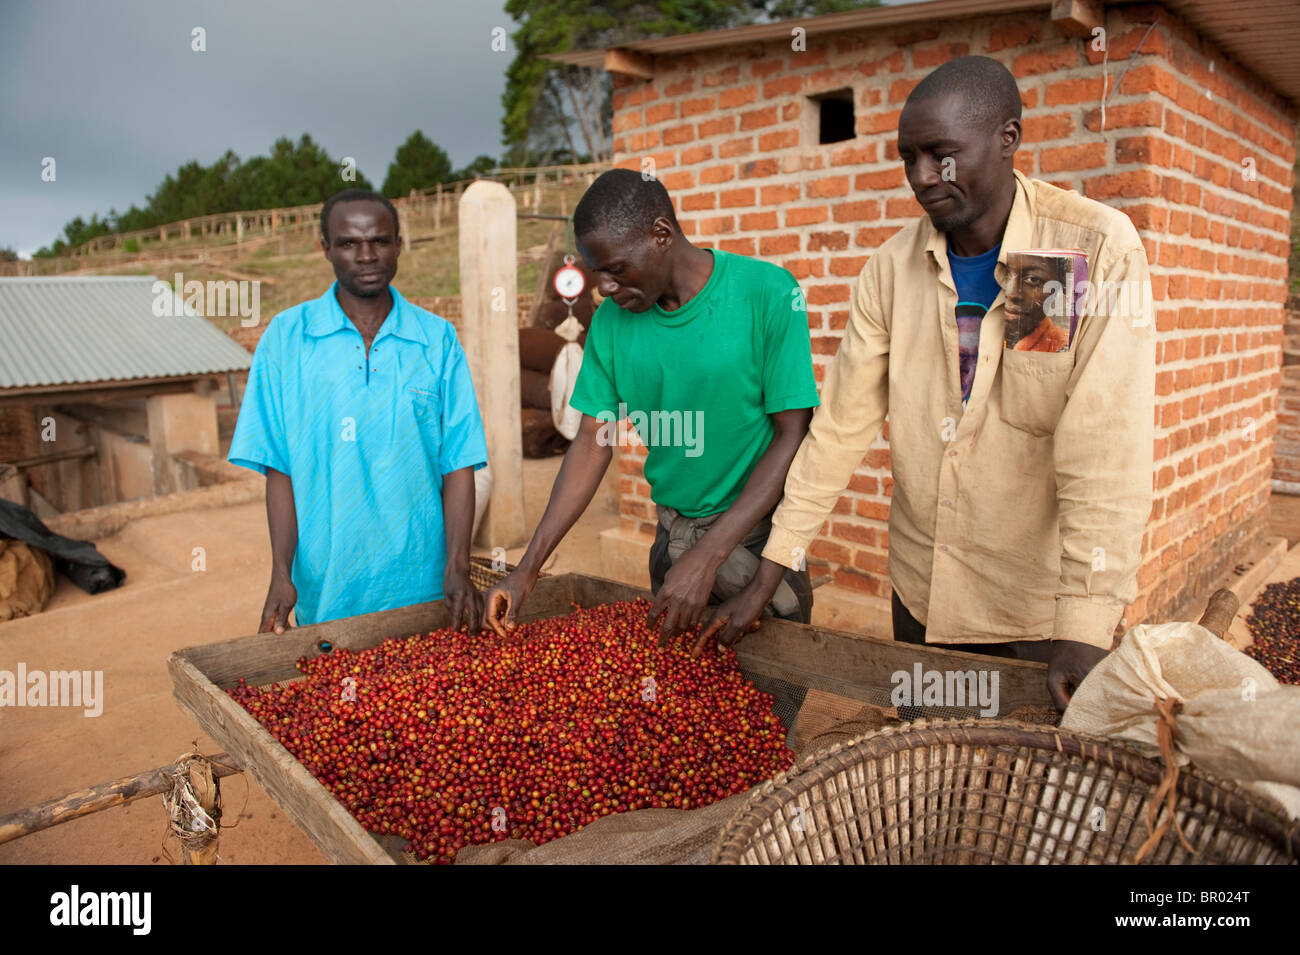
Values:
[(293, 270)]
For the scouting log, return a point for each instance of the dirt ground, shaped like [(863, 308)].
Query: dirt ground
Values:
[(128, 633)]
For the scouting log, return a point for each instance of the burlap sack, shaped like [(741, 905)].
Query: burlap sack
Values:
[(641, 837), (866, 720), (1236, 722), (26, 579)]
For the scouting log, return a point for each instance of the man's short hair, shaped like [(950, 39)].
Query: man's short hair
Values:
[(624, 203), (354, 195), (986, 87)]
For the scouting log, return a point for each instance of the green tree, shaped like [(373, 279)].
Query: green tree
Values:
[(418, 164), (477, 166), (545, 101), (294, 174), (7, 254), (78, 230), (194, 190)]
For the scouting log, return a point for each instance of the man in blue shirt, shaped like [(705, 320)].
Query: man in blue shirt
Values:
[(361, 413)]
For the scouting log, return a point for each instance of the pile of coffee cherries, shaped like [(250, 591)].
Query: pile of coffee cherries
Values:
[(1274, 623), (452, 739)]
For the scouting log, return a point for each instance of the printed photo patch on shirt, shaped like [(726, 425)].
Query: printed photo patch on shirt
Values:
[(1044, 295), (969, 316)]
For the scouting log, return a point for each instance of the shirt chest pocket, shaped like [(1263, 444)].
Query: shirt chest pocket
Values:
[(424, 414), (1033, 389)]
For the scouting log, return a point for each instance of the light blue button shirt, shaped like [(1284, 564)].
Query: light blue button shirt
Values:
[(366, 445)]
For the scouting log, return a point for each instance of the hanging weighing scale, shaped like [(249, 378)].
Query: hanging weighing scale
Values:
[(569, 284)]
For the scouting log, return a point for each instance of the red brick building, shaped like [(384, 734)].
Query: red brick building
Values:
[(778, 141)]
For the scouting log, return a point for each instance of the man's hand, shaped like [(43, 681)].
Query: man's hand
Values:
[(464, 600), (733, 619), (280, 599), (684, 594), (503, 601), (740, 615), (1069, 664)]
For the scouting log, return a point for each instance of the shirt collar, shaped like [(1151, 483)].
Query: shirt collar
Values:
[(326, 317), (1017, 235)]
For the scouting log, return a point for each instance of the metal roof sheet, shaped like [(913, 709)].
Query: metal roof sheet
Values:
[(82, 329)]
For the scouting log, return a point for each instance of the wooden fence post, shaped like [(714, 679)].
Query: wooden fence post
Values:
[(490, 325)]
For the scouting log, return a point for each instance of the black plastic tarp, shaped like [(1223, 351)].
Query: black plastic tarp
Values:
[(78, 560)]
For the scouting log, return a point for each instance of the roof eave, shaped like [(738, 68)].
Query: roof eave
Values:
[(812, 26)]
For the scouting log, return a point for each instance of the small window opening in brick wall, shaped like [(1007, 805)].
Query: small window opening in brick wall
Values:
[(834, 113)]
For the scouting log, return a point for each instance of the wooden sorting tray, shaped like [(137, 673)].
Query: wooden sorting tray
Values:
[(844, 664)]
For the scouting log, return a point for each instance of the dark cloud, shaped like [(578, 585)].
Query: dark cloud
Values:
[(114, 92)]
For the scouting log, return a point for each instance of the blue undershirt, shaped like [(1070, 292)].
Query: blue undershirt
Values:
[(977, 287)]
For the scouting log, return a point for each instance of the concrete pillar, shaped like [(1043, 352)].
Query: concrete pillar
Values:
[(239, 229), (179, 422), (488, 289)]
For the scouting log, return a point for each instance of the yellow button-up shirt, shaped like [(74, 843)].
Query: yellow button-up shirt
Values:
[(1021, 516)]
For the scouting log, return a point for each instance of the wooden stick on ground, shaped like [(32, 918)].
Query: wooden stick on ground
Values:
[(85, 801)]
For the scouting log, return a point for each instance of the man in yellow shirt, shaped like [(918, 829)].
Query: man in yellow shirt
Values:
[(1022, 478)]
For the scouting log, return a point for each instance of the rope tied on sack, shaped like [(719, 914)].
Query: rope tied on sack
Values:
[(1167, 708)]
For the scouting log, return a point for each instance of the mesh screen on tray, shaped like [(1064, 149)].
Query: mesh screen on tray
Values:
[(788, 697)]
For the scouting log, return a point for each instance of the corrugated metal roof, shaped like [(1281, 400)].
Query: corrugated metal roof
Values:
[(85, 329), (1262, 35)]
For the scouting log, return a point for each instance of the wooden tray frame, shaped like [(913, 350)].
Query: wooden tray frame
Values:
[(829, 660)]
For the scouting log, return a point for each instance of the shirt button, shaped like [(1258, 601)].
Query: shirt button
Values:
[(947, 503), (944, 548), (952, 454)]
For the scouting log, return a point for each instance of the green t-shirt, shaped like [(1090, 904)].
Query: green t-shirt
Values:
[(699, 383)]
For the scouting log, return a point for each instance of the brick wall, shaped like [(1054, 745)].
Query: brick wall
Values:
[(729, 133)]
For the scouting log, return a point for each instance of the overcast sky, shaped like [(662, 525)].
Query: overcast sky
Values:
[(113, 91)]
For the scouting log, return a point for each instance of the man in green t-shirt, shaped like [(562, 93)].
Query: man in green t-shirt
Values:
[(707, 355)]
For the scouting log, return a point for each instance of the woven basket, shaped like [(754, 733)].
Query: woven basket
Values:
[(986, 791), (483, 576)]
